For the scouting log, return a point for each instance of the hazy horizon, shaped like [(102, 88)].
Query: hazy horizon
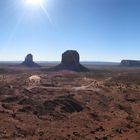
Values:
[(100, 30), (43, 61)]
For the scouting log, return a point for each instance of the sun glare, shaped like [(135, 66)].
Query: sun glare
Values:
[(34, 2), (41, 4)]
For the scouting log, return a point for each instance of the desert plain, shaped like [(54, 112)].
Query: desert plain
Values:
[(102, 104)]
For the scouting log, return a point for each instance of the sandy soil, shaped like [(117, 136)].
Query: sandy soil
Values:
[(103, 104)]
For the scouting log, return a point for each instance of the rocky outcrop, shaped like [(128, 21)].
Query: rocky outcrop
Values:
[(28, 62), (70, 61), (130, 63), (70, 57)]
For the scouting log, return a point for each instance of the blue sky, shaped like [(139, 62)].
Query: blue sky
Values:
[(100, 30)]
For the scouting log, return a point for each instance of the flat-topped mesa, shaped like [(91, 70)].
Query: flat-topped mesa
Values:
[(130, 63), (70, 61), (28, 62), (70, 57)]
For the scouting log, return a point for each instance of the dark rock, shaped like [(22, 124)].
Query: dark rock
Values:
[(11, 99), (130, 63), (100, 129), (70, 58), (70, 61), (76, 134), (7, 106), (27, 109), (27, 101), (119, 130), (70, 106), (28, 62), (61, 105)]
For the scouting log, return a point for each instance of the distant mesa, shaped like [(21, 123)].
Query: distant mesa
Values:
[(70, 57), (70, 61), (28, 62), (130, 63)]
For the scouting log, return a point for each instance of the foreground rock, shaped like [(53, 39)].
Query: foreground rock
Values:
[(130, 63), (70, 61), (28, 62)]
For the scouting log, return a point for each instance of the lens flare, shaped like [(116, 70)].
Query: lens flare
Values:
[(34, 2)]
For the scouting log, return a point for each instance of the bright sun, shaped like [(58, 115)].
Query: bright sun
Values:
[(34, 2)]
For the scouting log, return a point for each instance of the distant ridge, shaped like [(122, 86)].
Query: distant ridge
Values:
[(130, 63)]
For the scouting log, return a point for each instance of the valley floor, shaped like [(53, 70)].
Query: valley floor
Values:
[(103, 104)]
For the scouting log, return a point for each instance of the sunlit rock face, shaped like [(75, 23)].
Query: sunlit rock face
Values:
[(70, 61), (29, 61), (130, 63)]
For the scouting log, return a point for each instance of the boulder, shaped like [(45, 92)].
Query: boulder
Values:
[(70, 61), (130, 63), (28, 62)]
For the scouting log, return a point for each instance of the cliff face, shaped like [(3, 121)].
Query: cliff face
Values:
[(70, 57), (28, 62), (70, 61), (130, 63)]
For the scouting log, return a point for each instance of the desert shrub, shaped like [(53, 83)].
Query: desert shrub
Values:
[(106, 138)]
